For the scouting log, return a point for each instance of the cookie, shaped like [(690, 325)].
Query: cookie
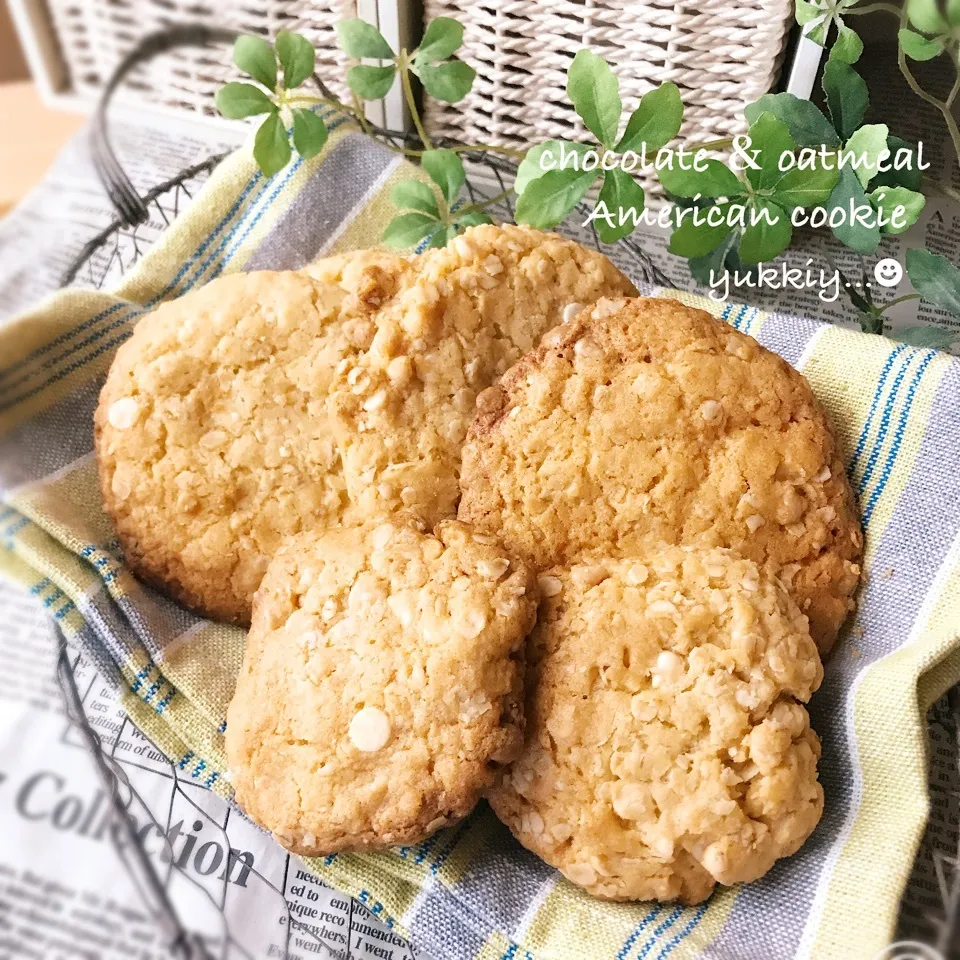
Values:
[(644, 422), (666, 750), (382, 684), (401, 409), (212, 437)]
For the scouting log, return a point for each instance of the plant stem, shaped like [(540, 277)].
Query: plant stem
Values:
[(903, 299), (712, 145), (872, 8), (403, 65), (483, 204), (942, 106), (360, 113)]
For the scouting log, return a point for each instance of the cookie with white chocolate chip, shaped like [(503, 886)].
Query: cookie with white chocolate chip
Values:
[(666, 749), (645, 421), (402, 408), (382, 684), (212, 437)]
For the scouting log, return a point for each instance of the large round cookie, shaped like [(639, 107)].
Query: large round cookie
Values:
[(212, 437), (664, 749), (403, 407), (381, 686), (645, 422)]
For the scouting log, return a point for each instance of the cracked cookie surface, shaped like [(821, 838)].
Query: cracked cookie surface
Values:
[(402, 408), (382, 684), (645, 421), (212, 437), (665, 749)]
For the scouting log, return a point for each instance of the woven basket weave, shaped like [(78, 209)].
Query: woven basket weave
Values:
[(93, 36), (721, 53)]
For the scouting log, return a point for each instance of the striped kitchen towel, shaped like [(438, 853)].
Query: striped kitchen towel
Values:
[(471, 891)]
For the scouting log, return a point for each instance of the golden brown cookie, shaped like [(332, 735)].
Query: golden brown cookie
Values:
[(403, 407), (644, 422), (382, 684), (212, 437), (665, 749)]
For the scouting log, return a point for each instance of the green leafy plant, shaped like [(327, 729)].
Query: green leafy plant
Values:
[(546, 197), (727, 214)]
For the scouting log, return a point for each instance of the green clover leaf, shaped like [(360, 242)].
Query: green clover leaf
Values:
[(953, 13), (814, 20), (548, 199), (621, 194), (715, 180), (309, 133), (848, 46), (415, 195), (473, 219), (935, 278), (361, 39), (655, 122), (694, 241), (924, 15), (271, 146), (706, 268), (887, 199), (847, 96), (869, 143), (853, 234), (441, 38), (449, 81), (408, 229), (445, 169), (806, 188), (920, 48), (772, 138), (531, 169), (769, 236), (296, 57), (255, 57), (442, 236), (239, 100), (595, 95), (936, 338), (910, 176), (371, 83), (805, 121)]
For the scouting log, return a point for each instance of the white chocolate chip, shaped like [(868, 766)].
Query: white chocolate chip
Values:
[(661, 608), (823, 476), (711, 411), (669, 667), (549, 586), (402, 606), (754, 522), (493, 569), (383, 535), (376, 401), (123, 413), (589, 576), (587, 349), (400, 369), (637, 574), (472, 624), (571, 310), (369, 729)]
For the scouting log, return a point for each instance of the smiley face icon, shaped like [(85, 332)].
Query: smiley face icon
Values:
[(887, 272)]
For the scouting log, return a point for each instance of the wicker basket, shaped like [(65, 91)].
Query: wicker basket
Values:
[(721, 53), (93, 35)]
